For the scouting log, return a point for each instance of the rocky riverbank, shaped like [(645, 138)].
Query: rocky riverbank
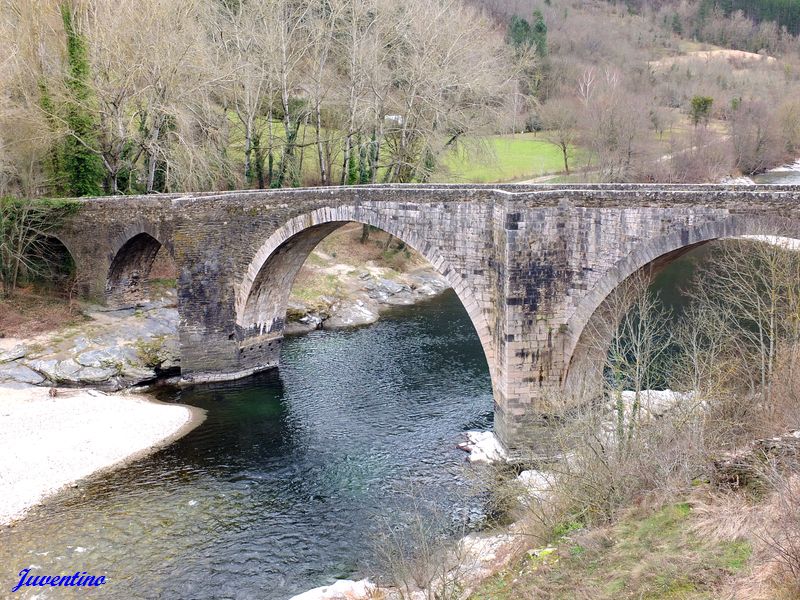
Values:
[(112, 350), (363, 295), (347, 283)]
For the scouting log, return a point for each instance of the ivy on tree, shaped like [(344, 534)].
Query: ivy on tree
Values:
[(82, 168)]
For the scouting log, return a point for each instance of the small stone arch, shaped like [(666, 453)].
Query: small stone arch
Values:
[(53, 263), (262, 295), (127, 283), (657, 253)]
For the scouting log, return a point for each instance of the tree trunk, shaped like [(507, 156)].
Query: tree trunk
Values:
[(151, 157), (248, 148), (323, 167)]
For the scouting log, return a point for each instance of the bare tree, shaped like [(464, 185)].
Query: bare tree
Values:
[(754, 135), (452, 76), (246, 58), (560, 121)]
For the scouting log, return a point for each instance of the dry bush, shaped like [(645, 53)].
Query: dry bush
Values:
[(771, 524), (781, 538), (27, 312), (701, 155), (593, 477), (418, 548), (784, 411)]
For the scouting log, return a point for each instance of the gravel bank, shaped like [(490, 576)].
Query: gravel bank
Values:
[(49, 442)]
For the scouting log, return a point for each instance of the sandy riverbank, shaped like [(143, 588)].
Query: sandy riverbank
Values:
[(49, 442)]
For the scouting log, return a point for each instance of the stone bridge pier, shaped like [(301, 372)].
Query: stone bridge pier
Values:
[(532, 265)]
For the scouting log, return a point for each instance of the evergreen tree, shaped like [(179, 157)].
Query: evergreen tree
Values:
[(522, 35), (82, 167), (352, 165), (519, 32), (538, 34), (364, 170)]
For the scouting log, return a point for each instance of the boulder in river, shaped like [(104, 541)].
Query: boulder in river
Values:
[(351, 315), (483, 447)]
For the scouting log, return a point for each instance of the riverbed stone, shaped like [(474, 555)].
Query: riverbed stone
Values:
[(105, 357), (80, 344), (391, 287), (136, 373), (19, 373), (403, 298), (67, 371), (96, 374), (47, 367), (425, 290), (341, 589), (15, 353), (378, 295), (297, 328), (170, 354)]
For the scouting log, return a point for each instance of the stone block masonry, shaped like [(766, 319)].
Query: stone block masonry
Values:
[(531, 264)]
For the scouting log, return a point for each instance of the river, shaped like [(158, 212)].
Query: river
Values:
[(789, 174), (282, 488)]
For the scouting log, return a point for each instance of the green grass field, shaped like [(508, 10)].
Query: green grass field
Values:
[(507, 158), (492, 159)]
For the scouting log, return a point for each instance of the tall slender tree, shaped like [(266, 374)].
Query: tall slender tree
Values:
[(81, 162)]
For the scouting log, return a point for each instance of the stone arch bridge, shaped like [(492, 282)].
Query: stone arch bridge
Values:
[(532, 265)]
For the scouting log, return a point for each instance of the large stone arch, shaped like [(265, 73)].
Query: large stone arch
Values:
[(133, 254), (262, 295), (583, 354)]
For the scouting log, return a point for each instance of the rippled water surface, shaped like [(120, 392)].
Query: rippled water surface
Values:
[(277, 491), (790, 174)]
